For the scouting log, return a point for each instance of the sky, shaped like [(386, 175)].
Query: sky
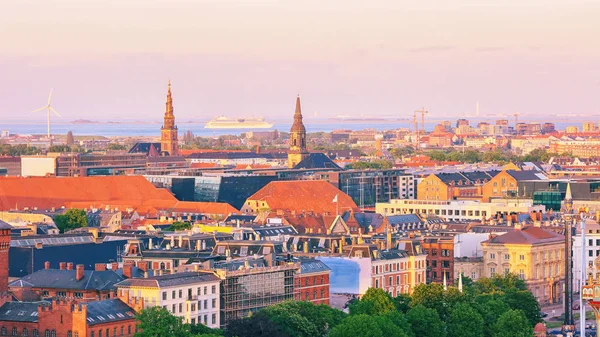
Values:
[(112, 59)]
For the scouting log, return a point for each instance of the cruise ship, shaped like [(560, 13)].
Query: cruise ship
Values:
[(238, 123)]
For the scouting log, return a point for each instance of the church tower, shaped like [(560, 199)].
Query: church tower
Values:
[(168, 133), (297, 150)]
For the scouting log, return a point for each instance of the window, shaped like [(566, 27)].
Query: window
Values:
[(14, 331), (25, 333), (445, 252), (114, 332), (590, 253), (214, 318), (46, 333), (473, 275), (492, 256), (492, 271), (506, 257), (445, 264), (376, 283), (173, 309), (205, 304), (78, 295), (164, 295), (522, 274), (173, 295), (180, 293), (122, 331), (180, 307), (522, 257), (214, 303), (36, 333), (53, 333), (76, 333), (390, 279), (205, 290), (193, 321), (590, 242), (92, 335), (193, 306), (205, 319), (128, 330), (506, 271), (69, 333), (214, 289)]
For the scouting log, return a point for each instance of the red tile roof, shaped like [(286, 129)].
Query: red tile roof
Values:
[(527, 235), (49, 192), (304, 196)]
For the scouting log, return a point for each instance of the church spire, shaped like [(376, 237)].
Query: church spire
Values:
[(297, 150), (298, 125), (169, 110)]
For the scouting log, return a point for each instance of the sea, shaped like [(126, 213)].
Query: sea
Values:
[(150, 129)]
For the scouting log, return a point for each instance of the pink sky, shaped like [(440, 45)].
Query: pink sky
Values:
[(112, 59)]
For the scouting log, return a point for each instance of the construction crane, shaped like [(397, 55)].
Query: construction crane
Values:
[(416, 130), (423, 113)]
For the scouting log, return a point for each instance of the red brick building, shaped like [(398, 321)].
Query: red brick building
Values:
[(440, 258), (312, 282), (76, 284), (114, 317), (4, 247)]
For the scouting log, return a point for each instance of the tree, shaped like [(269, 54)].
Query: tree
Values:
[(72, 219), (464, 321), (59, 148), (179, 226), (116, 147), (435, 297), (388, 328), (204, 331), (512, 323), (401, 321), (490, 307), (253, 326), (426, 322), (375, 301), (402, 302), (158, 322), (357, 325), (70, 139), (525, 301)]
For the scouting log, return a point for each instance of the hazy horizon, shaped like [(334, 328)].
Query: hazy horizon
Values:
[(111, 59)]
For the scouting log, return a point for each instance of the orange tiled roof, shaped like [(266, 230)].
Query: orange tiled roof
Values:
[(304, 196), (48, 192)]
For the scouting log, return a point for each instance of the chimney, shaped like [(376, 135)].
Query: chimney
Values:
[(114, 266), (70, 266), (47, 265), (341, 246), (79, 272), (150, 244), (128, 270), (246, 264), (62, 266), (143, 265), (305, 246), (100, 266)]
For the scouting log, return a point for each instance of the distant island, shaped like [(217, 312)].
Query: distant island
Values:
[(84, 121)]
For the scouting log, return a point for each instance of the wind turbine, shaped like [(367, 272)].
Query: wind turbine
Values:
[(48, 109)]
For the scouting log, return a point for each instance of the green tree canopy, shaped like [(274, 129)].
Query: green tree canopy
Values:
[(116, 147), (179, 226), (435, 297), (525, 301), (375, 301), (72, 219), (401, 321), (512, 323), (465, 321), (357, 325), (159, 322), (426, 322), (490, 307)]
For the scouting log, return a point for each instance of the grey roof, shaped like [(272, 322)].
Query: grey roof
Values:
[(170, 280), (4, 225), (308, 266), (65, 279), (114, 310), (374, 220), (317, 160), (20, 311), (526, 175), (401, 219), (274, 230)]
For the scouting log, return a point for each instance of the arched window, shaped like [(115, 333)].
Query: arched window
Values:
[(36, 333), (14, 331), (3, 331), (47, 333), (162, 265), (53, 333), (25, 333), (122, 331), (69, 333), (295, 141)]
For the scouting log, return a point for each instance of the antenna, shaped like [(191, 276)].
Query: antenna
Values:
[(49, 109)]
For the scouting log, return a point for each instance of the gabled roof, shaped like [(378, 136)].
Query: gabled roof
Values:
[(365, 220), (146, 148), (304, 196), (65, 279), (317, 160), (527, 235), (4, 225)]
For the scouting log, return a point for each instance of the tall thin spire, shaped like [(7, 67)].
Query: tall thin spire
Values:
[(169, 110), (568, 199)]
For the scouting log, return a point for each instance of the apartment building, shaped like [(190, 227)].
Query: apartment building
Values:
[(193, 296)]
